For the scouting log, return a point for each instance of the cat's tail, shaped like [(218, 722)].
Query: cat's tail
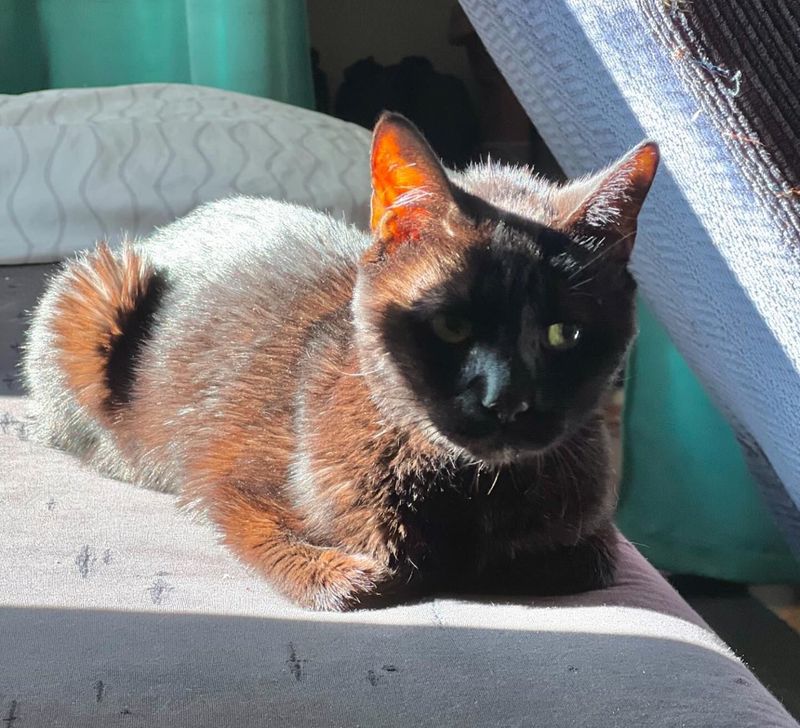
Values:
[(78, 362)]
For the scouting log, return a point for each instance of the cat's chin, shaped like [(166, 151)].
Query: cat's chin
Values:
[(508, 455), (496, 452), (510, 444)]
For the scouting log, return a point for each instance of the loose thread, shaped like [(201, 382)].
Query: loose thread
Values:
[(744, 138), (732, 79), (676, 6)]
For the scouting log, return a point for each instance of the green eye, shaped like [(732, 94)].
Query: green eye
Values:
[(451, 328), (563, 336)]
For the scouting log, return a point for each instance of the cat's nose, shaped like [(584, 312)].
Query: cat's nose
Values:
[(506, 408), (501, 388)]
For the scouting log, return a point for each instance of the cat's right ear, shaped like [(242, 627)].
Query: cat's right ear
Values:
[(409, 184)]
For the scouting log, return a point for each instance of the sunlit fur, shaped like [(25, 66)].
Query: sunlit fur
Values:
[(267, 363)]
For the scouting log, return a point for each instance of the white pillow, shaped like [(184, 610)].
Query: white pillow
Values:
[(79, 165)]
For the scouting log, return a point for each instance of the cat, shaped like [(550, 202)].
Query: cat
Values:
[(361, 414)]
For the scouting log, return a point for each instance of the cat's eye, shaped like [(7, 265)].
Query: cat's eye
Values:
[(562, 336), (451, 328)]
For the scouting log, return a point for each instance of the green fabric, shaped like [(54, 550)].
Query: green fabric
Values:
[(687, 499), (258, 47)]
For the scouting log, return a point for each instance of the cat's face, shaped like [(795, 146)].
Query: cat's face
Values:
[(493, 331), (516, 346)]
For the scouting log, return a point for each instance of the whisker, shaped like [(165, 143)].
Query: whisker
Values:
[(496, 478), (605, 250)]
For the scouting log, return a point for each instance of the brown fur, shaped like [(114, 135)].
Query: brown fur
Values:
[(389, 500)]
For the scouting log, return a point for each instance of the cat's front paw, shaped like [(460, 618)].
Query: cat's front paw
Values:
[(340, 581)]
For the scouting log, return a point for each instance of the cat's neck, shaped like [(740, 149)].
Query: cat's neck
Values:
[(360, 466)]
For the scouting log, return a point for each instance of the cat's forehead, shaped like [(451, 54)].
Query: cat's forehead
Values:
[(507, 260), (518, 214), (514, 241), (514, 190)]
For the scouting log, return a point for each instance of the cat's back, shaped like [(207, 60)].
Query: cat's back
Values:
[(246, 283), (262, 236), (243, 274), (132, 353), (244, 279)]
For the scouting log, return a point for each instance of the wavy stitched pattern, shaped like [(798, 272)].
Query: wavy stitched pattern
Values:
[(81, 165)]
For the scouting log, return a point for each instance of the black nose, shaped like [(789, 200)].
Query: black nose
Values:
[(501, 384), (506, 406)]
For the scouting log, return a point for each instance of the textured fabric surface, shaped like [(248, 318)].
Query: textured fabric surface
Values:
[(117, 609), (79, 165), (113, 669), (743, 56), (19, 288), (717, 266)]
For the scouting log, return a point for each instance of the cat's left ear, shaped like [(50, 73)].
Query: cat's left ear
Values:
[(606, 206), (409, 184)]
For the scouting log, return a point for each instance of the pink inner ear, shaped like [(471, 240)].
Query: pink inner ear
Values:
[(405, 176), (393, 175), (645, 163), (630, 180), (613, 198)]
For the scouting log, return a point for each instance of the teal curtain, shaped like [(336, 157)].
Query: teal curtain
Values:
[(687, 499), (257, 47)]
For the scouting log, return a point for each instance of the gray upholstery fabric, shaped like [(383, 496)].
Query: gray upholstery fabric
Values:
[(117, 610), (112, 669), (717, 264)]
